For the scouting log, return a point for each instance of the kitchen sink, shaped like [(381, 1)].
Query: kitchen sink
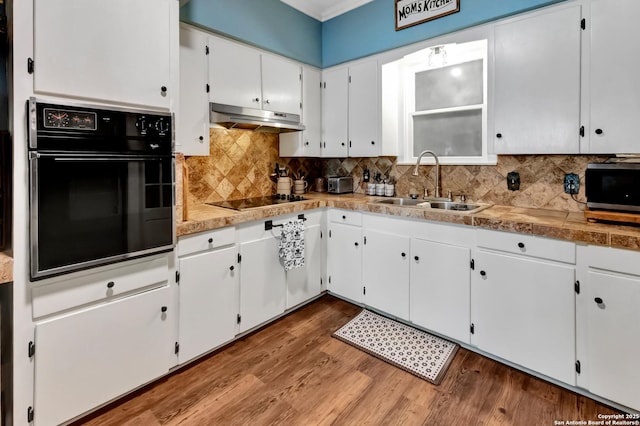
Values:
[(439, 205)]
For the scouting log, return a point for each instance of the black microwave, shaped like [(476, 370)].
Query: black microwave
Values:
[(613, 186)]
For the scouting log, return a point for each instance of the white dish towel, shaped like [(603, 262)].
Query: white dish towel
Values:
[(291, 249)]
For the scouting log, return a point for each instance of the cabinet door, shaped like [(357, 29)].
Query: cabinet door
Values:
[(304, 283), (344, 261), (364, 110), (193, 117), (262, 282), (537, 83), (439, 288), (614, 87), (87, 358), (208, 301), (524, 311), (93, 49), (234, 74), (308, 142), (613, 336), (335, 98), (281, 85), (385, 272)]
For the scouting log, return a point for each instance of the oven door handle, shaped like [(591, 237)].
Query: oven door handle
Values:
[(57, 157)]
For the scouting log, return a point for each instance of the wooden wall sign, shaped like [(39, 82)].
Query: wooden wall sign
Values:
[(414, 12)]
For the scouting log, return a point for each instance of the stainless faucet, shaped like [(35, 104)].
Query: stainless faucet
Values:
[(415, 171)]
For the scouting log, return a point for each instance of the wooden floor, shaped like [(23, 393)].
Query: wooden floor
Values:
[(294, 373)]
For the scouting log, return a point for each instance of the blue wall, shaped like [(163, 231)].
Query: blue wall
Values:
[(369, 29), (269, 24)]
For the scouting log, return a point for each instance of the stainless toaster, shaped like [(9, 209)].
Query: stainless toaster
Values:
[(339, 184)]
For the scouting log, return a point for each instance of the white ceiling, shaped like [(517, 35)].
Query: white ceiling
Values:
[(323, 10)]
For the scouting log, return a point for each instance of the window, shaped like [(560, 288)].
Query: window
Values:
[(443, 103)]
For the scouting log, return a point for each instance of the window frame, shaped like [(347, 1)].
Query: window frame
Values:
[(423, 60)]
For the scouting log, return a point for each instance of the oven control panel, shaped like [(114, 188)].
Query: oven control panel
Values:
[(69, 119)]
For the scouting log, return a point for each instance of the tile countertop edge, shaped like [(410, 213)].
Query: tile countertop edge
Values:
[(569, 226), (6, 268)]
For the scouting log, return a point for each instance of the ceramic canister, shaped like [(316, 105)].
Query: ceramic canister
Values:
[(284, 185)]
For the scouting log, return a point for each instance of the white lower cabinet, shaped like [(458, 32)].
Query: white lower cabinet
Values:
[(523, 310), (262, 279), (305, 283), (609, 324), (266, 289), (88, 357), (344, 254), (208, 301), (385, 272), (439, 286)]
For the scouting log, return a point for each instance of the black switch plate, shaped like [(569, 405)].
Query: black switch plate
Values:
[(513, 181)]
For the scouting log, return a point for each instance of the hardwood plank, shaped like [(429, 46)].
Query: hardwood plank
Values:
[(293, 372)]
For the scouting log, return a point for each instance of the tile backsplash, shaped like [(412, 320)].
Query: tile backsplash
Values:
[(241, 162)]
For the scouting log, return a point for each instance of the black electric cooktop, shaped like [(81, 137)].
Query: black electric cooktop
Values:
[(249, 203)]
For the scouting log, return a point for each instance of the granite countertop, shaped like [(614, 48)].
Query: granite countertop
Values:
[(6, 268), (570, 226)]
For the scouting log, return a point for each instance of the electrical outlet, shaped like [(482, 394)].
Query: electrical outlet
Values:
[(571, 183)]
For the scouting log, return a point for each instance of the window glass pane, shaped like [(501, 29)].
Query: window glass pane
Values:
[(456, 133), (449, 86)]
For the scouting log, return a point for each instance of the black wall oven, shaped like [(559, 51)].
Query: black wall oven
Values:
[(101, 186)]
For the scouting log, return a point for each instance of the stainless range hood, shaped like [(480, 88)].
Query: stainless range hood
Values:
[(233, 117)]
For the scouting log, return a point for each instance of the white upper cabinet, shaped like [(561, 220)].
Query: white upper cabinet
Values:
[(364, 111), (92, 49), (335, 109), (612, 86), (234, 74), (281, 84), (308, 142), (192, 117), (351, 111), (242, 76), (537, 82)]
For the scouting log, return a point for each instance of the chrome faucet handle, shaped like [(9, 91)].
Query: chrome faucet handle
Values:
[(450, 195), (463, 198)]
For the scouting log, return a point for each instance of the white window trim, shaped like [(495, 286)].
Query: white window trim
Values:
[(419, 61)]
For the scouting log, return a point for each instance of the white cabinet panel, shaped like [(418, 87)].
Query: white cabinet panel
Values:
[(613, 336), (537, 83), (308, 142), (385, 272), (92, 49), (344, 261), (523, 310), (234, 74), (92, 356), (192, 132), (351, 111), (613, 84), (208, 301), (364, 111), (242, 76), (440, 288), (281, 85), (335, 110), (262, 282), (304, 283)]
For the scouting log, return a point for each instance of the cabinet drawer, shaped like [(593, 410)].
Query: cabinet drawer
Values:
[(107, 284), (345, 216), (206, 241), (528, 245)]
